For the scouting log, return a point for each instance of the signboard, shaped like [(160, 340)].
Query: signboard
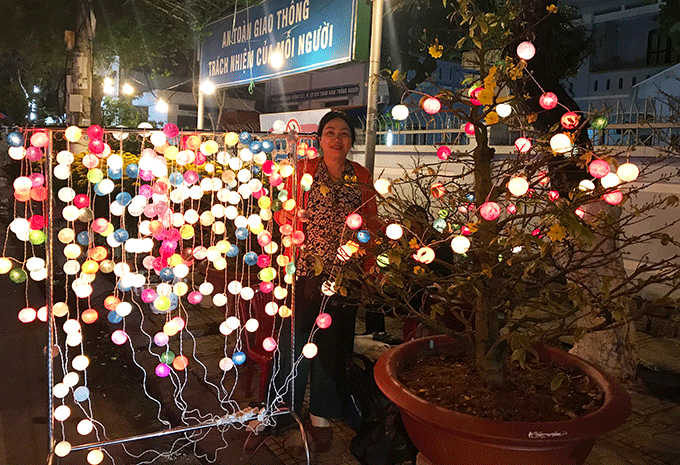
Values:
[(323, 93), (278, 38)]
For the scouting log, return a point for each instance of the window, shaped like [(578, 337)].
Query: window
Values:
[(620, 83), (595, 86), (661, 48), (633, 81), (608, 85)]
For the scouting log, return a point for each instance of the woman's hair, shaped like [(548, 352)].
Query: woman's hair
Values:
[(331, 115)]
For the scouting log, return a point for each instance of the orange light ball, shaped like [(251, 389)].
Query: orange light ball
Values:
[(111, 302)]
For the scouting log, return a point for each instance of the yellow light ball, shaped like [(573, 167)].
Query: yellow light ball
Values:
[(518, 186), (460, 244), (62, 449), (95, 457), (5, 265), (382, 186), (231, 139), (72, 251), (180, 288), (310, 350), (73, 133), (628, 172)]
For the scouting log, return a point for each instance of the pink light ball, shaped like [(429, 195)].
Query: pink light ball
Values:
[(323, 320), (37, 179), (119, 337), (526, 50), (33, 153), (81, 201), (613, 198), (266, 287), (149, 295), (522, 144), (36, 222), (569, 120), (443, 152), (161, 339), (269, 344), (96, 146), (431, 105), (490, 210), (95, 132), (354, 221), (190, 176), (170, 130), (195, 297), (548, 101), (469, 129), (39, 139), (598, 168), (162, 370)]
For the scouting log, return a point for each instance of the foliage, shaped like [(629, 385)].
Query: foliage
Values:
[(549, 267)]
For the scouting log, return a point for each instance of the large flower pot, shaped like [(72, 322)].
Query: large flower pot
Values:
[(446, 437)]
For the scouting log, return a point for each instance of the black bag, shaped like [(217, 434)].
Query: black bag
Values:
[(381, 438)]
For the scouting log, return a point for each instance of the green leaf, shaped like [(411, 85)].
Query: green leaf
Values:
[(394, 257), (557, 381)]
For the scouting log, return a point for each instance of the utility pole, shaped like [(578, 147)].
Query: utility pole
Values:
[(373, 70), (79, 81)]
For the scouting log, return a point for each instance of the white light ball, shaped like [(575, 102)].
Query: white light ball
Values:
[(35, 264), (95, 457), (115, 162), (66, 194), (394, 231), (400, 112), (60, 390), (526, 50), (628, 172), (251, 325), (206, 288), (62, 449), (233, 323), (80, 362), (85, 427), (71, 379), (586, 185), (226, 364), (62, 172), (310, 350), (65, 157), (157, 138), (518, 186), (234, 287), (504, 110), (561, 143), (62, 412), (247, 293), (382, 186), (219, 300), (610, 180), (460, 244)]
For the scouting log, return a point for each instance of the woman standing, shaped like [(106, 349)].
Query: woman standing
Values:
[(339, 187)]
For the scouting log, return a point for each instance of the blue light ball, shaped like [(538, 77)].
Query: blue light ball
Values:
[(470, 197), (121, 235), (283, 195), (255, 146), (166, 274), (245, 138), (439, 224), (238, 358), (84, 237), (255, 169), (114, 318), (176, 179), (97, 190), (81, 394), (267, 146), (174, 300), (241, 233), (250, 258), (232, 251), (15, 139), (123, 288), (124, 198), (132, 171), (114, 174), (290, 268), (363, 236)]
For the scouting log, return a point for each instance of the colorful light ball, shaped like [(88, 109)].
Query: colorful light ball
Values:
[(162, 370), (15, 139), (239, 358), (17, 275), (490, 210), (437, 190), (39, 139), (613, 198), (522, 144), (526, 50), (443, 152), (518, 186), (598, 168), (363, 236), (547, 100), (180, 362), (323, 320), (269, 344), (599, 122), (424, 255), (119, 337), (569, 120), (431, 105), (33, 153), (5, 265)]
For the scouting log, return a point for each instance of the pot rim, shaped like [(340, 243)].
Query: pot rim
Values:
[(613, 413)]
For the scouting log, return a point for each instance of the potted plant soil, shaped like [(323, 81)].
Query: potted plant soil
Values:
[(512, 255)]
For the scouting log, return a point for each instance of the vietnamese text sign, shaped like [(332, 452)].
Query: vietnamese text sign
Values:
[(278, 38)]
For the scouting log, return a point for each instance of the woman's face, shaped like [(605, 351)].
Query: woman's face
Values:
[(336, 139)]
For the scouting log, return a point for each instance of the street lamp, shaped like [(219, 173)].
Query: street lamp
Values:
[(206, 87)]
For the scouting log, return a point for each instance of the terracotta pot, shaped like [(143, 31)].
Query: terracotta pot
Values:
[(446, 437)]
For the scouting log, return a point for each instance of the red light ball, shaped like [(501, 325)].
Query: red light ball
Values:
[(613, 197), (443, 152), (469, 129), (569, 120), (432, 105), (522, 145), (490, 210), (548, 101), (324, 320), (598, 168)]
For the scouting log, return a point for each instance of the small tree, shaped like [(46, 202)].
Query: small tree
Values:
[(507, 251)]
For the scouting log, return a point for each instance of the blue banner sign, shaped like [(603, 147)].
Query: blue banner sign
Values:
[(326, 92), (278, 38)]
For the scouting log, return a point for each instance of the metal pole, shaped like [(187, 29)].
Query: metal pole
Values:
[(373, 70), (199, 118), (49, 296)]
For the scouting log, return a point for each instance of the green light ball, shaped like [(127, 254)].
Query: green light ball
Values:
[(167, 357), (600, 122), (36, 237), (17, 275), (95, 175)]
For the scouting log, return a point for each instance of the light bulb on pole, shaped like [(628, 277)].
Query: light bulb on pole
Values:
[(206, 87)]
